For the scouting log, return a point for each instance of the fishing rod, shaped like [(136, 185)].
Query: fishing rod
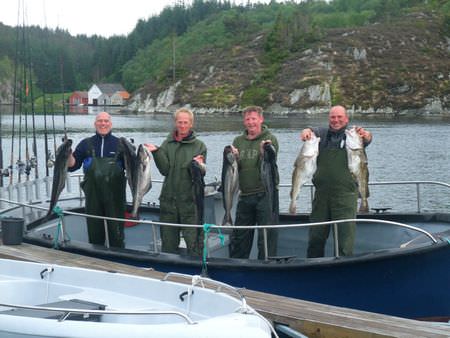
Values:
[(26, 165), (1, 151), (33, 162), (11, 164), (61, 63)]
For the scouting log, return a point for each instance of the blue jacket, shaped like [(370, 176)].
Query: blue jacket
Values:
[(104, 146)]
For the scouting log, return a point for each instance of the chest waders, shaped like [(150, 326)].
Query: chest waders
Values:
[(104, 188), (335, 198)]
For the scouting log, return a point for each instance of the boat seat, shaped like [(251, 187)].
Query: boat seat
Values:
[(77, 304)]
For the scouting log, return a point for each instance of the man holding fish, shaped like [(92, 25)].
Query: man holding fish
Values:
[(336, 181), (174, 159), (104, 181), (254, 205)]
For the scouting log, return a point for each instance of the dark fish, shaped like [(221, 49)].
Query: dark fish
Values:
[(59, 173), (142, 181), (129, 161), (230, 183), (198, 189), (269, 178)]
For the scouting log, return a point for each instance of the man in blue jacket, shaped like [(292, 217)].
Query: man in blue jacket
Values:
[(104, 181)]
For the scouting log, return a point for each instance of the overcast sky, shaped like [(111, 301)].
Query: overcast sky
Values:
[(101, 17)]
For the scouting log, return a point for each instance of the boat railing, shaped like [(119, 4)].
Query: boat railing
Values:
[(66, 312), (201, 280), (62, 237), (416, 184)]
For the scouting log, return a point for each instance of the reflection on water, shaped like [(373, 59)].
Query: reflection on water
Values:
[(401, 150)]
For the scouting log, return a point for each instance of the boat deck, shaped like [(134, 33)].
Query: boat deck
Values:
[(312, 319)]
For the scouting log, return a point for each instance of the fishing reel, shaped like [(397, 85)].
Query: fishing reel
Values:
[(20, 166), (50, 160), (33, 162), (4, 172)]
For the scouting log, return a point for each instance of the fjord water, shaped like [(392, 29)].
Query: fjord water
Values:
[(402, 149)]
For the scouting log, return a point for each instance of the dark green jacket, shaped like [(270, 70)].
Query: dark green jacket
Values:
[(250, 161), (173, 160)]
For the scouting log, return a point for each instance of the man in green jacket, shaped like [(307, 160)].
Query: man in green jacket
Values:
[(253, 205), (173, 159), (336, 191)]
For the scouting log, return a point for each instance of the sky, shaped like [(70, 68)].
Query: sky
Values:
[(102, 17)]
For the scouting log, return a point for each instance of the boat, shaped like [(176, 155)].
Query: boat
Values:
[(42, 300), (399, 266)]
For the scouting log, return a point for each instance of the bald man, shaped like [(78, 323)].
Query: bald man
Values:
[(104, 181), (336, 191)]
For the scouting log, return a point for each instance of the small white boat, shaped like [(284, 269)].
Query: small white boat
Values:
[(42, 300)]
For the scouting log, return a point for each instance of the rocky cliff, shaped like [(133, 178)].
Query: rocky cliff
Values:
[(385, 69)]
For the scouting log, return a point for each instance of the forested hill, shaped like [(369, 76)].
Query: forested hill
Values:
[(375, 55)]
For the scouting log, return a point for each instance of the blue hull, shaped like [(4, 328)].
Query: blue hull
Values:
[(411, 284)]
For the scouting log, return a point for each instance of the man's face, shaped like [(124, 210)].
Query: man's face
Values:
[(103, 124), (253, 123), (338, 119), (183, 124)]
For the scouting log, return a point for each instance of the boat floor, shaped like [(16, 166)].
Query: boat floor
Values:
[(311, 319)]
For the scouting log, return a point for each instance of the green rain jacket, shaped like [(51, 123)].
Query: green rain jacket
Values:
[(173, 159), (250, 161)]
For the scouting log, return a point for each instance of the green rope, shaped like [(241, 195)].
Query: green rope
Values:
[(206, 231), (59, 212)]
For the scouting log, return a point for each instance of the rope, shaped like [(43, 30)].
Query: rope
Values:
[(59, 212), (206, 231)]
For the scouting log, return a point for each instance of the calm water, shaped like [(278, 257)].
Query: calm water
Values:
[(401, 150)]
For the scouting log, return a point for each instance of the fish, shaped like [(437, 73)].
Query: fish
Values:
[(269, 179), (198, 189), (357, 164), (59, 173), (305, 167), (230, 182), (129, 160), (142, 181)]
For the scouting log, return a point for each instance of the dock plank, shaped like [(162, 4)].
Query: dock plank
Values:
[(312, 319)]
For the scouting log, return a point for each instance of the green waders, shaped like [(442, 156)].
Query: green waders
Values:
[(104, 188), (252, 209), (335, 198), (181, 212)]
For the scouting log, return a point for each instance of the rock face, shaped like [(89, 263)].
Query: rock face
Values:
[(389, 69)]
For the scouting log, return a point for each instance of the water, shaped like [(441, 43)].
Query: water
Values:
[(401, 150)]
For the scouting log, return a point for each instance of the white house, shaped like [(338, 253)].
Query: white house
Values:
[(100, 94)]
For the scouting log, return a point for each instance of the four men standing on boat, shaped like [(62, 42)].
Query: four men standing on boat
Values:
[(104, 184), (104, 181)]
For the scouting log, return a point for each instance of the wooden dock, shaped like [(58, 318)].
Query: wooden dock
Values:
[(312, 319)]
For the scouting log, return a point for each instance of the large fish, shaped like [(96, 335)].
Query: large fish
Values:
[(142, 181), (304, 168), (59, 173), (130, 161), (230, 183), (357, 164), (198, 189), (269, 178)]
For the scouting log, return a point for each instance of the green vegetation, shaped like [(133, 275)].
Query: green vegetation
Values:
[(175, 37)]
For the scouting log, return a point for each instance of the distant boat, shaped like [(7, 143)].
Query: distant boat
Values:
[(42, 300), (400, 264)]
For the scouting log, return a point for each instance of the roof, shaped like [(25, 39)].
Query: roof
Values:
[(110, 88), (80, 93)]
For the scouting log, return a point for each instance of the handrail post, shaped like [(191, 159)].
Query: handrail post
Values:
[(155, 240), (105, 224), (266, 250), (418, 197), (336, 240)]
